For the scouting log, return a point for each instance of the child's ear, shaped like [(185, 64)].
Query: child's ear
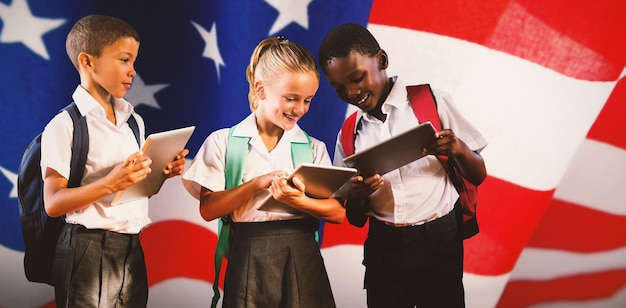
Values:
[(84, 60), (383, 59), (259, 89)]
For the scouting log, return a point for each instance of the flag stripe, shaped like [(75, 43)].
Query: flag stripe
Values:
[(536, 31), (562, 220), (177, 249), (610, 121), (582, 287)]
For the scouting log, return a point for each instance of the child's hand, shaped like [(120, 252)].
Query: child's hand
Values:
[(177, 167), (446, 143), (361, 188), (266, 180), (285, 191), (133, 170)]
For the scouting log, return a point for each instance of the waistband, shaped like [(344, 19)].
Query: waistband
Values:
[(305, 225), (377, 227), (110, 235)]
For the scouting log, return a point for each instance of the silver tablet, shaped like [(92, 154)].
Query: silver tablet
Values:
[(162, 148), (393, 153), (320, 183)]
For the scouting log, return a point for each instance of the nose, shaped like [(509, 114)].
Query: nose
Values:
[(301, 108), (352, 91), (132, 73)]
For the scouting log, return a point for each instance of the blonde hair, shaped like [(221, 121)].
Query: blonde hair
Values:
[(274, 56)]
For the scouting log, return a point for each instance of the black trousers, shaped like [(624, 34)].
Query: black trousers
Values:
[(417, 266), (98, 268)]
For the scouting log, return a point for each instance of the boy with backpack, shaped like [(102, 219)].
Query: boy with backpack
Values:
[(99, 261), (413, 254)]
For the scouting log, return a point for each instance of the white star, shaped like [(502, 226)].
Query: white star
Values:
[(288, 12), (211, 50), (13, 178), (140, 93), (21, 26)]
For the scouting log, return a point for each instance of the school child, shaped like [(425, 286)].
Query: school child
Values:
[(99, 261), (274, 259), (413, 254)]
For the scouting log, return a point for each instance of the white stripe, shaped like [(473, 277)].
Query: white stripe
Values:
[(15, 290), (346, 273), (173, 202), (596, 175), (616, 301), (181, 292), (483, 291), (533, 118), (546, 264)]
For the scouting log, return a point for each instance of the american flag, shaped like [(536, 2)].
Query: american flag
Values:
[(542, 80)]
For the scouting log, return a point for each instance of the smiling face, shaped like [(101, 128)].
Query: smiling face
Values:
[(358, 79), (110, 74), (285, 99)]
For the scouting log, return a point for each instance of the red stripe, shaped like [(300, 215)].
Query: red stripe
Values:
[(176, 249), (507, 215), (609, 126), (594, 230), (343, 234), (575, 288), (577, 38)]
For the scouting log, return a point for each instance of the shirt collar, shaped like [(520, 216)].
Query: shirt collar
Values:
[(248, 128), (87, 104), (397, 98)]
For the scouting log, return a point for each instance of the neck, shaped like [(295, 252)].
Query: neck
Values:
[(377, 112)]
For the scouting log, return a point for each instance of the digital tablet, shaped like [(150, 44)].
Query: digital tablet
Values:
[(320, 183), (393, 153), (162, 149)]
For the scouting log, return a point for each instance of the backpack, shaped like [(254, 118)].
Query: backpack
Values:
[(233, 173), (425, 108), (41, 232)]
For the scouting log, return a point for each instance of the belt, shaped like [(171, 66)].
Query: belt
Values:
[(274, 227), (379, 227)]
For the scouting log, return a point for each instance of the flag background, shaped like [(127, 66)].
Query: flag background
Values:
[(542, 80)]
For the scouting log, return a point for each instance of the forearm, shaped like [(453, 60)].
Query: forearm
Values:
[(472, 166), (329, 210), (221, 203), (65, 200), (356, 210)]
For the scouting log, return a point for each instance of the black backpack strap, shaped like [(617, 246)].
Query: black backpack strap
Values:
[(80, 146), (80, 143)]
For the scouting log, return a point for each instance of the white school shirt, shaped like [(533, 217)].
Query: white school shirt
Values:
[(419, 191), (109, 145), (208, 167)]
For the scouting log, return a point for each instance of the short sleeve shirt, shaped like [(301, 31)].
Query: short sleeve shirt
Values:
[(208, 167), (109, 145), (419, 191)]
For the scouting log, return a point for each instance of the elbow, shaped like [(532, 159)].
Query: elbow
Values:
[(337, 216), (52, 212), (207, 215)]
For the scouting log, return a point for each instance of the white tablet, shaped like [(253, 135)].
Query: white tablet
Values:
[(162, 149), (393, 153), (320, 183)]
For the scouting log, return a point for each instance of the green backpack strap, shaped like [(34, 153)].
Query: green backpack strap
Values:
[(235, 154), (301, 152)]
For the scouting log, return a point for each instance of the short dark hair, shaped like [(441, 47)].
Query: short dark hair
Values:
[(343, 39), (92, 33)]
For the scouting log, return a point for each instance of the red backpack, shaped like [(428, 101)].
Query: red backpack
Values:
[(425, 108)]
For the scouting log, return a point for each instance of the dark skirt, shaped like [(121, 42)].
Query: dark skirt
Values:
[(276, 264)]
